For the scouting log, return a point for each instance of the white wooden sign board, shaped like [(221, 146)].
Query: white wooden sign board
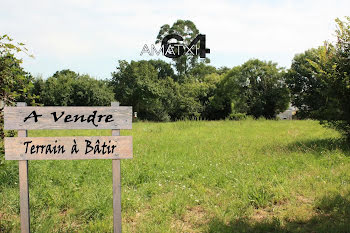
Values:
[(23, 148)]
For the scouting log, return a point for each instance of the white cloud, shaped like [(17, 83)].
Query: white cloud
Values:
[(79, 34)]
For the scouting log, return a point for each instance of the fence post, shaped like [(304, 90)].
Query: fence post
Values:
[(117, 204), (23, 185)]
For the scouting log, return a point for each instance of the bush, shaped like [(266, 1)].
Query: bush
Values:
[(237, 116), (319, 81), (67, 88)]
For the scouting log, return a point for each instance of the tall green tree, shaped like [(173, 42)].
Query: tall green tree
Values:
[(319, 81), (201, 70), (158, 97), (256, 88), (306, 86), (58, 89), (37, 89), (163, 68), (188, 30), (137, 84), (340, 81), (68, 88), (225, 99), (15, 83), (263, 88)]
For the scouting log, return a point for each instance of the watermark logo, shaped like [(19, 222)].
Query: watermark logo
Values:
[(177, 49)]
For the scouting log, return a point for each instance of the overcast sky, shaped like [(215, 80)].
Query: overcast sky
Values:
[(91, 36)]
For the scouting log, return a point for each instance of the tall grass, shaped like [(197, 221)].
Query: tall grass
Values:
[(194, 176)]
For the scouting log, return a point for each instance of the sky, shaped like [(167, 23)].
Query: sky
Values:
[(89, 37)]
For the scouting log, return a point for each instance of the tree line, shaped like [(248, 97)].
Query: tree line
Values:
[(317, 83)]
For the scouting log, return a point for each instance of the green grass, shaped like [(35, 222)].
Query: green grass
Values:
[(194, 176)]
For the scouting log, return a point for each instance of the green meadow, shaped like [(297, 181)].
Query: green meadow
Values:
[(194, 176)]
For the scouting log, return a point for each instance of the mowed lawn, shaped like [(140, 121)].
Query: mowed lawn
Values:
[(194, 176)]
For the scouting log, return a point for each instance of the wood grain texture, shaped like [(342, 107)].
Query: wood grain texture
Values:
[(36, 148), (121, 118), (117, 192), (23, 186), (117, 197), (24, 195)]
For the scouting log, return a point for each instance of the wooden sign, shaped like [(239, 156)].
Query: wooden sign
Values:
[(68, 148), (67, 118), (23, 148)]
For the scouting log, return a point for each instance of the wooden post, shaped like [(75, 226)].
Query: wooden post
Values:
[(23, 186), (117, 204)]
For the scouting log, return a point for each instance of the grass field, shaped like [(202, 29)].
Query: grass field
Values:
[(189, 176)]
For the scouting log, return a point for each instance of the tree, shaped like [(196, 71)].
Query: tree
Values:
[(264, 90), (320, 81), (88, 91), (340, 79), (209, 88), (14, 81), (225, 98), (188, 31), (223, 70), (306, 87), (188, 104), (37, 89), (201, 70), (256, 88), (67, 88), (58, 89), (137, 84), (156, 97), (163, 68)]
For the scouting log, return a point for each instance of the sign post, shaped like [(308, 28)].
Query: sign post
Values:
[(23, 185), (25, 148), (117, 201)]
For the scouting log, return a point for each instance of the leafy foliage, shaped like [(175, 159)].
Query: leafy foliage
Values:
[(319, 81), (137, 84), (161, 98), (263, 89), (188, 30), (307, 88), (256, 88), (67, 88), (14, 81)]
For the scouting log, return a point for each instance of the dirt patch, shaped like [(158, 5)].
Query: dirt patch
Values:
[(303, 199), (193, 217), (260, 215), (195, 214), (63, 212), (269, 212), (134, 220)]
